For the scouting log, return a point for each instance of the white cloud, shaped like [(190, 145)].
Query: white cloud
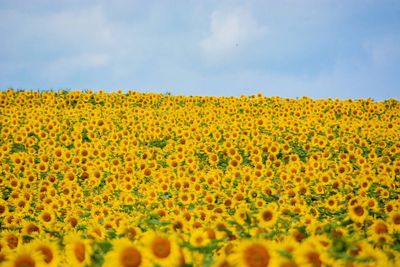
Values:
[(384, 51), (230, 31), (64, 67), (84, 29)]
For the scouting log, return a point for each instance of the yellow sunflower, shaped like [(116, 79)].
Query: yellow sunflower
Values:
[(4, 251), (48, 250), (3, 208), (221, 261), (77, 250), (311, 253), (47, 218), (199, 238), (268, 216), (358, 213), (395, 221), (374, 256), (30, 228), (253, 253), (162, 250), (379, 227), (24, 256), (11, 239), (125, 254)]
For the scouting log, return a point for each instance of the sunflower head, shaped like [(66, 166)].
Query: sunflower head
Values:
[(358, 213), (125, 254), (77, 249), (253, 253), (267, 217), (48, 251), (162, 250), (24, 256)]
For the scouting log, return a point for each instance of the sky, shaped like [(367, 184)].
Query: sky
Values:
[(320, 49)]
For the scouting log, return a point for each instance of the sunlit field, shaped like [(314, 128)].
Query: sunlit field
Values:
[(134, 179)]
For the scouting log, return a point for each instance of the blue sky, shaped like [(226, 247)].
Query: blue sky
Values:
[(320, 49)]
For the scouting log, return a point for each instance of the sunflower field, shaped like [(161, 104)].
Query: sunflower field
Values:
[(141, 179)]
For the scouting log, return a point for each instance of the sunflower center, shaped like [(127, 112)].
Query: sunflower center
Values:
[(256, 255), (288, 264), (314, 259), (73, 222), (396, 219), (24, 261), (130, 257), (299, 236), (2, 209), (131, 232), (359, 211), (224, 264), (47, 253), (199, 240), (267, 216), (355, 251), (178, 225), (211, 234), (79, 252), (46, 217), (12, 241), (32, 228), (381, 228), (161, 247)]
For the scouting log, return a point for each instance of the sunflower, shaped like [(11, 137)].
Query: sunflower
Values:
[(162, 250), (282, 261), (125, 254), (311, 253), (332, 203), (3, 208), (379, 227), (131, 232), (199, 238), (253, 253), (179, 223), (48, 250), (96, 231), (11, 239), (395, 221), (372, 255), (241, 215), (358, 213), (221, 261), (77, 250), (24, 256), (47, 218), (267, 217), (4, 251)]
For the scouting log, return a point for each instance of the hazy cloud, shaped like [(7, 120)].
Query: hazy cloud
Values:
[(384, 51), (230, 32), (62, 68)]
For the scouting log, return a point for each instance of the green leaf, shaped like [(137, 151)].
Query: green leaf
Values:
[(85, 137), (223, 161), (6, 192), (158, 143), (245, 157), (27, 238), (105, 246), (17, 147), (85, 215), (111, 234)]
